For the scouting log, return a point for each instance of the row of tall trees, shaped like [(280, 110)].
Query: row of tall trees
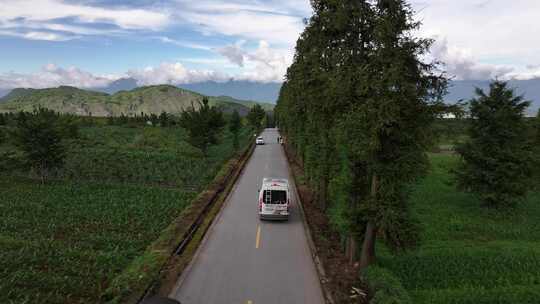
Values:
[(205, 123), (163, 120), (357, 104)]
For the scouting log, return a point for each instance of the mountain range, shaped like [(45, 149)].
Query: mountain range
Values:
[(269, 92), (148, 99)]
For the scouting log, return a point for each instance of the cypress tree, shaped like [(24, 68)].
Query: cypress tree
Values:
[(404, 91), (234, 126), (496, 159)]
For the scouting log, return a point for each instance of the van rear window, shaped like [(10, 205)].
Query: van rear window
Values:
[(275, 197)]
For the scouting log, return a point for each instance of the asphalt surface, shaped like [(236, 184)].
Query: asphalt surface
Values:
[(246, 260)]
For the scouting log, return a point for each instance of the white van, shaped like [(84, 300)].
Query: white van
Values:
[(274, 202)]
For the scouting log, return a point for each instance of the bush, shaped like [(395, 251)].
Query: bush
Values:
[(384, 287)]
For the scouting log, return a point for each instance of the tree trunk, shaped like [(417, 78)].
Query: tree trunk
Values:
[(368, 246), (352, 249), (322, 193)]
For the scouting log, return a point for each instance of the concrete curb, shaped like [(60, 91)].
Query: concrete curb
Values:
[(318, 263)]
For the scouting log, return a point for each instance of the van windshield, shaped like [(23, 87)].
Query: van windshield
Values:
[(275, 197)]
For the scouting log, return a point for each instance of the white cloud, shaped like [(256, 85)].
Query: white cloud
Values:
[(278, 29), (174, 73), (186, 44), (18, 25), (45, 36), (53, 76), (530, 74), (37, 35), (461, 64), (17, 14), (499, 33), (278, 22), (270, 65), (265, 64), (234, 53)]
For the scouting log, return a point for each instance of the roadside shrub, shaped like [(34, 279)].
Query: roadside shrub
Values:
[(384, 287)]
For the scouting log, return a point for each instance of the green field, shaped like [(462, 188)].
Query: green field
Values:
[(66, 240), (469, 254)]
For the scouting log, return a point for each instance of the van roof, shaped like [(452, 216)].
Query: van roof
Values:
[(275, 182)]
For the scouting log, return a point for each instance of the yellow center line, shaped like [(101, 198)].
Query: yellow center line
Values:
[(258, 240), (249, 302)]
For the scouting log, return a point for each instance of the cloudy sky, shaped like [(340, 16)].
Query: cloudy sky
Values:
[(89, 43)]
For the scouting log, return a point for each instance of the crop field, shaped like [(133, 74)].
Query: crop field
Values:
[(469, 254), (63, 242), (66, 240), (143, 155)]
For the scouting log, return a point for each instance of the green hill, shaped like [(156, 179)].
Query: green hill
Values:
[(149, 99), (16, 93), (248, 103)]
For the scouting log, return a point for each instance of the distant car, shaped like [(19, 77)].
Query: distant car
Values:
[(274, 200), (259, 141)]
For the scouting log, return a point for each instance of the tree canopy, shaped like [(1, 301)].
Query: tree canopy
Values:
[(255, 116), (203, 124), (40, 135)]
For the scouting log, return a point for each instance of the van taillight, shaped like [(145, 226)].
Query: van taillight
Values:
[(260, 204)]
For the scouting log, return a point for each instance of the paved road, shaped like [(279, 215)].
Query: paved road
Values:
[(246, 261)]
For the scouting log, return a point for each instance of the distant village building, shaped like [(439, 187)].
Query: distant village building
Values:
[(448, 116)]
